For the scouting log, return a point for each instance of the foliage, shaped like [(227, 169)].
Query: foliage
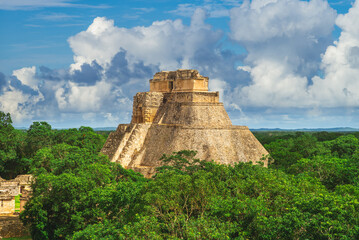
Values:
[(17, 148), (38, 136), (239, 202), (12, 141), (73, 188), (84, 137), (344, 146), (182, 162), (311, 191), (18, 238), (289, 151), (5, 121), (331, 171)]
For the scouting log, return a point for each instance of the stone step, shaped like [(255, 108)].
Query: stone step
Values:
[(133, 144), (122, 142)]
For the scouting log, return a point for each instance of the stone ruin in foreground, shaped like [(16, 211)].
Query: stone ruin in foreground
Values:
[(178, 113)]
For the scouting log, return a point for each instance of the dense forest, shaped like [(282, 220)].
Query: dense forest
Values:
[(309, 191)]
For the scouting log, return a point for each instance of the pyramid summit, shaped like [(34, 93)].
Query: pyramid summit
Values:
[(179, 113)]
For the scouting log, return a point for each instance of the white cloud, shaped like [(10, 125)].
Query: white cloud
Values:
[(219, 86), (27, 76), (245, 68), (285, 51), (188, 9), (10, 102), (75, 98), (214, 9), (340, 85), (282, 28), (284, 40), (21, 101), (22, 106), (145, 10), (169, 44), (31, 4), (55, 17), (274, 86)]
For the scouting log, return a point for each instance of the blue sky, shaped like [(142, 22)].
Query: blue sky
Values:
[(276, 63)]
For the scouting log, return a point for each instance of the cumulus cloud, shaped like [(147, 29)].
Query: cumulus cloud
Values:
[(340, 84), (295, 68), (275, 86), (75, 98), (18, 99), (27, 76), (88, 74), (284, 40), (168, 44)]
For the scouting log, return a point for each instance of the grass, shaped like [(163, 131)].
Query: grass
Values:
[(18, 238), (17, 203)]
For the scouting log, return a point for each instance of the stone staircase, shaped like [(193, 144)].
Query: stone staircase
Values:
[(111, 146), (122, 143), (132, 145)]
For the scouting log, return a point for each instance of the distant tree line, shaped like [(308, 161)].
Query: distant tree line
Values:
[(310, 191)]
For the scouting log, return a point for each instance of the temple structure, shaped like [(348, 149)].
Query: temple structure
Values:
[(179, 113), (14, 194), (18, 189)]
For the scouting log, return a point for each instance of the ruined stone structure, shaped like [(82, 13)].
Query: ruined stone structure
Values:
[(178, 113), (10, 189), (18, 189)]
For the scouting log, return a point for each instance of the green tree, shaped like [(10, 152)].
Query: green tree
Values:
[(84, 137), (39, 135), (12, 141), (5, 121), (330, 171), (312, 192), (74, 188), (344, 146)]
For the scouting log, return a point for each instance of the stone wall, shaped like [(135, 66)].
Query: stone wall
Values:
[(7, 205), (11, 226), (192, 114), (225, 145), (161, 86), (190, 85), (145, 106), (181, 97), (179, 81)]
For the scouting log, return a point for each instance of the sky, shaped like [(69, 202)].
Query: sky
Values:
[(276, 63)]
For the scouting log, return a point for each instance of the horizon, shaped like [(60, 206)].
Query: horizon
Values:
[(285, 64), (334, 129)]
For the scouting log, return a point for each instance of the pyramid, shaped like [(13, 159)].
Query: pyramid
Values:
[(179, 113)]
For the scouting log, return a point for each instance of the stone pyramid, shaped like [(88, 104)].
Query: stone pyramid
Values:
[(178, 113)]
